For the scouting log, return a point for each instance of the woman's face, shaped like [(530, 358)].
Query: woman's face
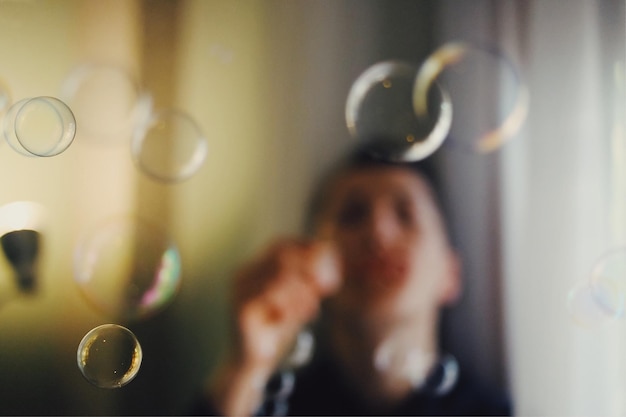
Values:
[(396, 257)]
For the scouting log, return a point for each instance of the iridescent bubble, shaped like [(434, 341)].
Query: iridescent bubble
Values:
[(39, 126), (169, 147), (608, 282), (127, 267), (109, 356), (107, 101), (584, 308), (379, 109), (600, 297), (477, 74)]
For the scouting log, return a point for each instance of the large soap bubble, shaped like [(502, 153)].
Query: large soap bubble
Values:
[(127, 267), (485, 75), (379, 109)]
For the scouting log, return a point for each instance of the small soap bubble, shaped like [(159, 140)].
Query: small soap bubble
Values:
[(221, 53), (107, 100), (584, 308), (45, 126), (379, 109), (444, 377), (396, 356), (399, 355), (433, 374), (109, 356), (302, 350), (600, 297), (39, 126), (127, 267), (475, 74), (169, 147), (608, 281)]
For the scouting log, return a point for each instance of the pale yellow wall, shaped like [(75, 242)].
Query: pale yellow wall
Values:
[(265, 80), (218, 66), (41, 43)]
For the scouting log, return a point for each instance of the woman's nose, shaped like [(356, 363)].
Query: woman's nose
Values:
[(382, 229)]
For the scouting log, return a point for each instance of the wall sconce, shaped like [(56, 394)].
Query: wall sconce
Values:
[(20, 235)]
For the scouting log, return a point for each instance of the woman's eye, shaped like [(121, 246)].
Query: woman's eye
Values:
[(352, 214), (404, 212)]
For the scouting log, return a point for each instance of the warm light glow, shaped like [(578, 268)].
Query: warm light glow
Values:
[(21, 215)]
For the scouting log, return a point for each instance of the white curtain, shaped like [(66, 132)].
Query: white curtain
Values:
[(554, 199)]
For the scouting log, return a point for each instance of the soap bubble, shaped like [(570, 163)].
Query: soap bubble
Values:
[(8, 128), (107, 101), (394, 356), (479, 74), (608, 281), (169, 147), (127, 267), (302, 350), (430, 372), (444, 377), (600, 297), (584, 308), (379, 109), (109, 356), (39, 126), (45, 126), (5, 97)]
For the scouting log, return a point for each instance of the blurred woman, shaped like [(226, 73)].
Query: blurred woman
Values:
[(378, 268)]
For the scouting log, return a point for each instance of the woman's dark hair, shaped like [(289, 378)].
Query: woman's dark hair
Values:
[(363, 158)]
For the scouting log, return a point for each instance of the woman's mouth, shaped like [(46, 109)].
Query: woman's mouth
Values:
[(381, 269)]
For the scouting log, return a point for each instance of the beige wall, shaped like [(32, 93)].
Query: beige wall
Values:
[(265, 80), (224, 63)]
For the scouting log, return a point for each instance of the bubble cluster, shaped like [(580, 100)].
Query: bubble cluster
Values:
[(406, 110), (166, 144), (109, 356), (127, 267)]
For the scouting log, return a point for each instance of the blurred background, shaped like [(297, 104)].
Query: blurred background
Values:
[(266, 81)]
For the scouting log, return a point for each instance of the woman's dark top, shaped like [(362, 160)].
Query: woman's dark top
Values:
[(320, 389)]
